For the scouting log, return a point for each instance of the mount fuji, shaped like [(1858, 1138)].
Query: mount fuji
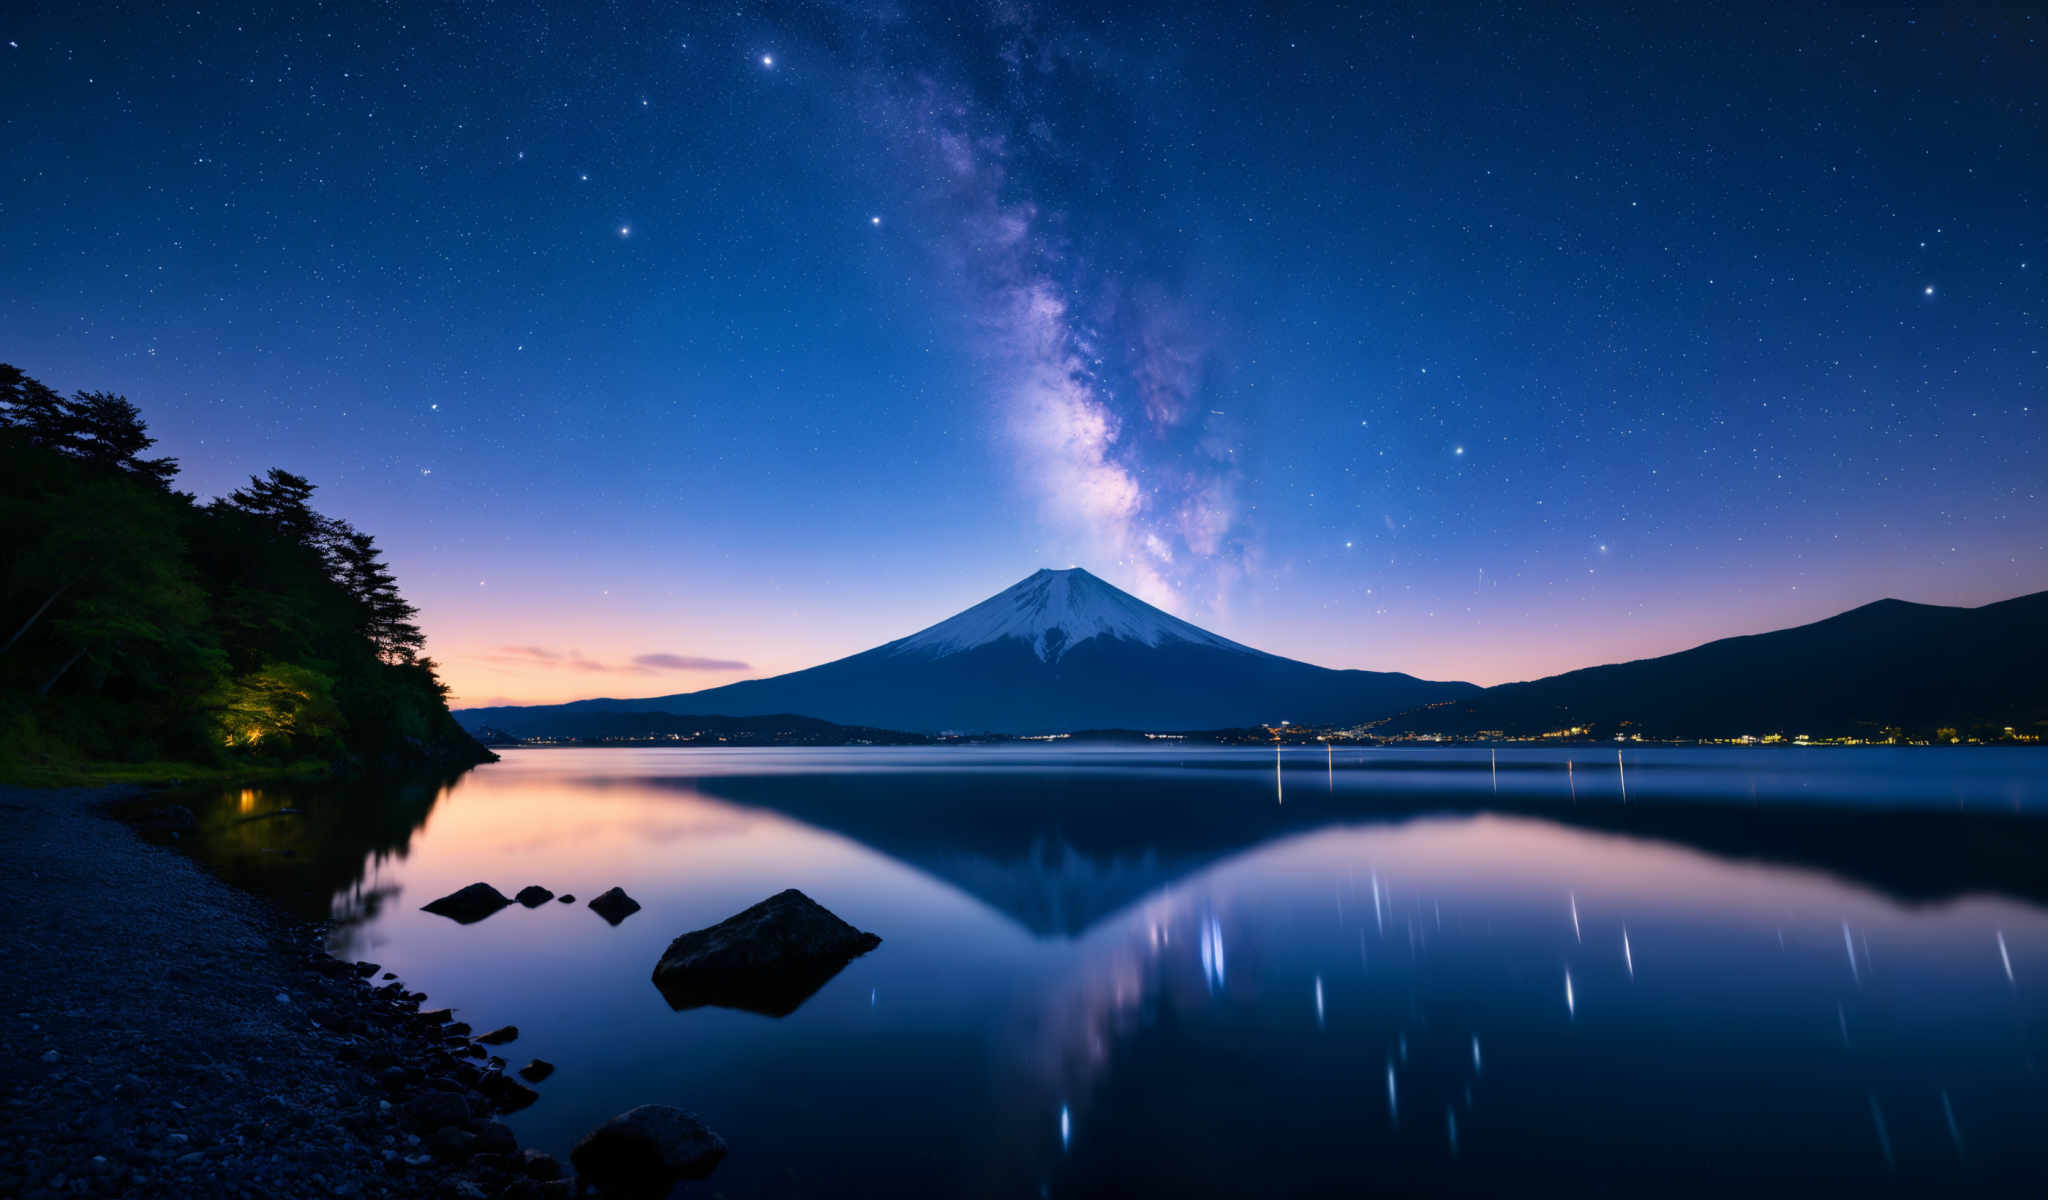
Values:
[(1058, 651)]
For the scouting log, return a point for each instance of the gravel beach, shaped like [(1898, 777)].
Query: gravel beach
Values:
[(168, 1035)]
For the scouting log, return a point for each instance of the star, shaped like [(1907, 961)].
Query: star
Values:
[(625, 231), (874, 220), (767, 60), (1928, 290), (1459, 451)]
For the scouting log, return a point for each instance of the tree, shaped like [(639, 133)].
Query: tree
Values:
[(385, 619), (37, 411), (100, 428), (281, 707), (283, 501), (108, 431)]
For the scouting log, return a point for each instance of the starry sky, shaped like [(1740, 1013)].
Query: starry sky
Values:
[(667, 345)]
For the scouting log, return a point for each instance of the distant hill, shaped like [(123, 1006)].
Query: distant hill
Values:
[(597, 728), (1058, 651), (1915, 667)]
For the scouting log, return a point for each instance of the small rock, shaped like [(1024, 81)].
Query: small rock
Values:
[(507, 1093), (451, 1142), (469, 905), (367, 969), (615, 905), (283, 998), (542, 1165), (50, 1056), (433, 1110), (536, 1070), (499, 1036), (495, 1137), (566, 898), (646, 1150), (534, 895)]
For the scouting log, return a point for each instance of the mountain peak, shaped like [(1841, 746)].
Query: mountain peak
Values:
[(1054, 611)]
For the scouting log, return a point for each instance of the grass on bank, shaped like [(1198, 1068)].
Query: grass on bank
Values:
[(160, 773)]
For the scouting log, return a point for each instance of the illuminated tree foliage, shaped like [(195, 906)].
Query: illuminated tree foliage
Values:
[(136, 623)]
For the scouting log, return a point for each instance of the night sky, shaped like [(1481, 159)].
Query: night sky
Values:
[(662, 346)]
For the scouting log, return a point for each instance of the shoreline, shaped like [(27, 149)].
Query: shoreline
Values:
[(172, 1035)]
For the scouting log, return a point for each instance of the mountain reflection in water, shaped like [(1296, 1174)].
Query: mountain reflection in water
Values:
[(1192, 972)]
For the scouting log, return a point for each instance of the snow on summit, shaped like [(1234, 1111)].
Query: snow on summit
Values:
[(1055, 611)]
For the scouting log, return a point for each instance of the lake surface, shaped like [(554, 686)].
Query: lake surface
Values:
[(1225, 972)]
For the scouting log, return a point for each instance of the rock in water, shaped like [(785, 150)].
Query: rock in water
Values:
[(644, 1152), (499, 1036), (768, 959), (470, 905), (537, 1070), (615, 905), (534, 895), (566, 898), (504, 1092)]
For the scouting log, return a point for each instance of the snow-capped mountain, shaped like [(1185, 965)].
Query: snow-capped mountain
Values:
[(1054, 611), (1058, 651)]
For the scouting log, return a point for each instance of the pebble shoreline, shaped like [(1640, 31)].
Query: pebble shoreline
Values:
[(168, 1035)]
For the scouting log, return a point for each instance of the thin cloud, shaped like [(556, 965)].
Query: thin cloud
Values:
[(639, 664), (687, 662)]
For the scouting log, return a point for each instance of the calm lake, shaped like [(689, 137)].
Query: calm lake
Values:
[(1213, 972)]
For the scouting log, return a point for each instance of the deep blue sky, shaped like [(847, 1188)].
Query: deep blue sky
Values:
[(1471, 341)]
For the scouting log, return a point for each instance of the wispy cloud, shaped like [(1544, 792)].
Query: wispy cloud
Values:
[(639, 664), (686, 662)]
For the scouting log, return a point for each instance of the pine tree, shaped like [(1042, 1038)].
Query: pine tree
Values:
[(105, 429), (385, 619), (283, 501), (37, 411)]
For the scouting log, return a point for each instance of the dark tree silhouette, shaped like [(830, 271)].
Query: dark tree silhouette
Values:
[(385, 619), (283, 501), (105, 429), (99, 427)]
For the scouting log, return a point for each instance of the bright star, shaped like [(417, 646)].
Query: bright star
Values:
[(625, 231), (874, 220), (1459, 450), (1928, 290), (767, 60)]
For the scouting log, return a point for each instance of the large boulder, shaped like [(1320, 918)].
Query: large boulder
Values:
[(470, 905), (645, 1152), (615, 905), (768, 959), (534, 895)]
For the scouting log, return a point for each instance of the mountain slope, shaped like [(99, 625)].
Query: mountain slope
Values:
[(1918, 667), (1060, 650)]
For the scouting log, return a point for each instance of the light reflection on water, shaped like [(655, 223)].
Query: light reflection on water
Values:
[(1776, 969)]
